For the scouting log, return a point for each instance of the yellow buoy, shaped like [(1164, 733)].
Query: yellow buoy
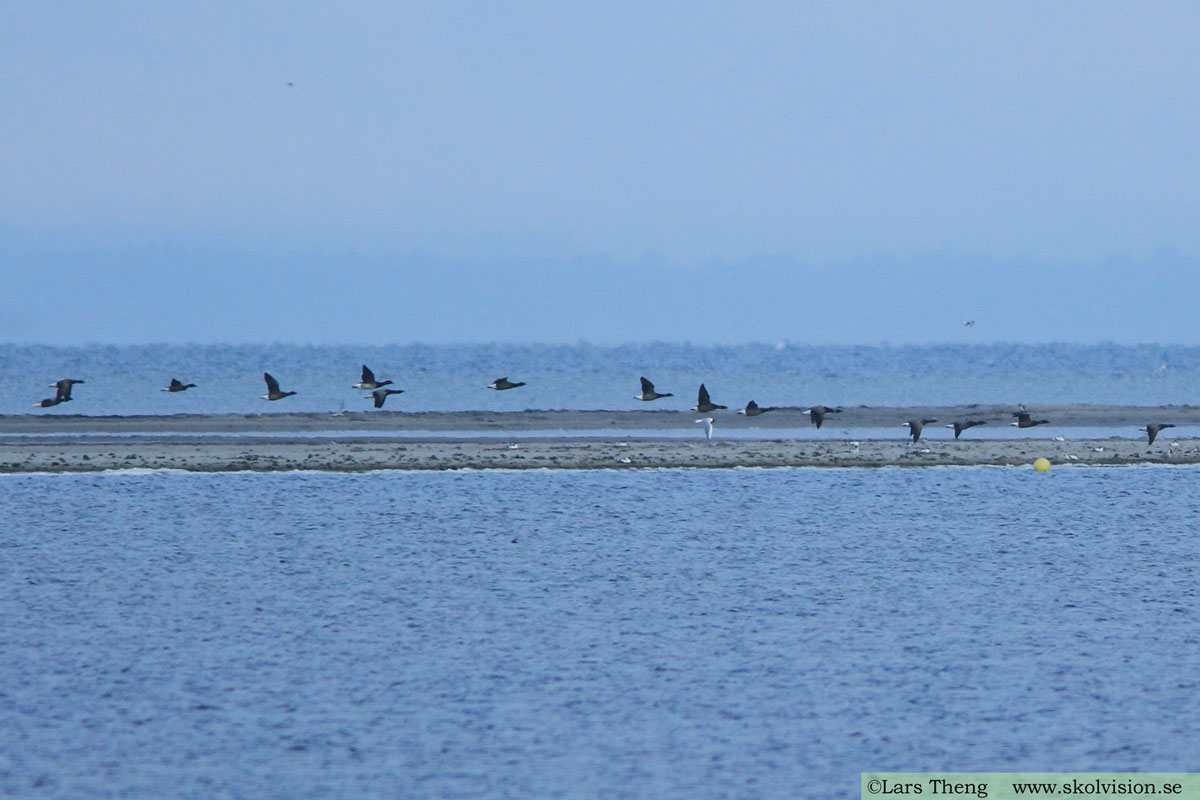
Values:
[(1042, 465)]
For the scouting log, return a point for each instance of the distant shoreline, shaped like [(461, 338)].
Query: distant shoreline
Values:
[(381, 441), (851, 418)]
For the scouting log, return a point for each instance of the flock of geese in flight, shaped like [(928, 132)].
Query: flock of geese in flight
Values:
[(817, 414), (704, 404)]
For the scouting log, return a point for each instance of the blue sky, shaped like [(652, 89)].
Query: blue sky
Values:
[(848, 172)]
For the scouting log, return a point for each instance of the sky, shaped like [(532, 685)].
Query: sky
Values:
[(717, 172)]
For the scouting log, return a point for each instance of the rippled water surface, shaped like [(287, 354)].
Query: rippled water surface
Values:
[(126, 380), (653, 634)]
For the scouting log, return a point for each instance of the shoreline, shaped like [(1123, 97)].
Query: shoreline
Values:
[(257, 455), (851, 418), (368, 441)]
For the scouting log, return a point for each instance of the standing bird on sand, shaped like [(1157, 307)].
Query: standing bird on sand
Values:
[(273, 392), (704, 403), (648, 392), (381, 395), (752, 409), (368, 381), (959, 427), (915, 426), (816, 414), (708, 426), (500, 384), (1024, 420), (1153, 429), (176, 386)]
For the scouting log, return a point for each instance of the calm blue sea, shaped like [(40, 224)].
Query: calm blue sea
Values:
[(586, 634), (126, 380)]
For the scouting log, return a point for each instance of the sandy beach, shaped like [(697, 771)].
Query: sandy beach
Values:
[(528, 440)]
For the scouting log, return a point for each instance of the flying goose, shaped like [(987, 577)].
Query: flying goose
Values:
[(704, 403), (381, 395), (273, 392), (816, 414), (176, 386), (1153, 429), (63, 388), (915, 426), (368, 380), (752, 409), (648, 392), (959, 427)]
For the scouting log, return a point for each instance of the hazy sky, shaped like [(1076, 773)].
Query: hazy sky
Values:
[(547, 171)]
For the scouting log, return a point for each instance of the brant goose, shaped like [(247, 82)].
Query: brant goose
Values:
[(915, 425), (816, 414), (648, 392), (63, 387), (273, 392), (1153, 429), (704, 403), (959, 427), (752, 409), (368, 381), (62, 393), (382, 394)]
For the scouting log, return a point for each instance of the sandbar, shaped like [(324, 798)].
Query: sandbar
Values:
[(356, 442)]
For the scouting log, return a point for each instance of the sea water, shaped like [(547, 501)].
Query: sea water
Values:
[(583, 634), (127, 380)]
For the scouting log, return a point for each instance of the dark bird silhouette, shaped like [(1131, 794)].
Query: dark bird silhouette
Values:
[(753, 409), (62, 393), (1024, 421), (816, 414), (915, 426), (704, 403), (368, 381), (382, 394), (648, 392), (959, 427), (63, 388), (1153, 429), (176, 386), (273, 392), (500, 384)]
